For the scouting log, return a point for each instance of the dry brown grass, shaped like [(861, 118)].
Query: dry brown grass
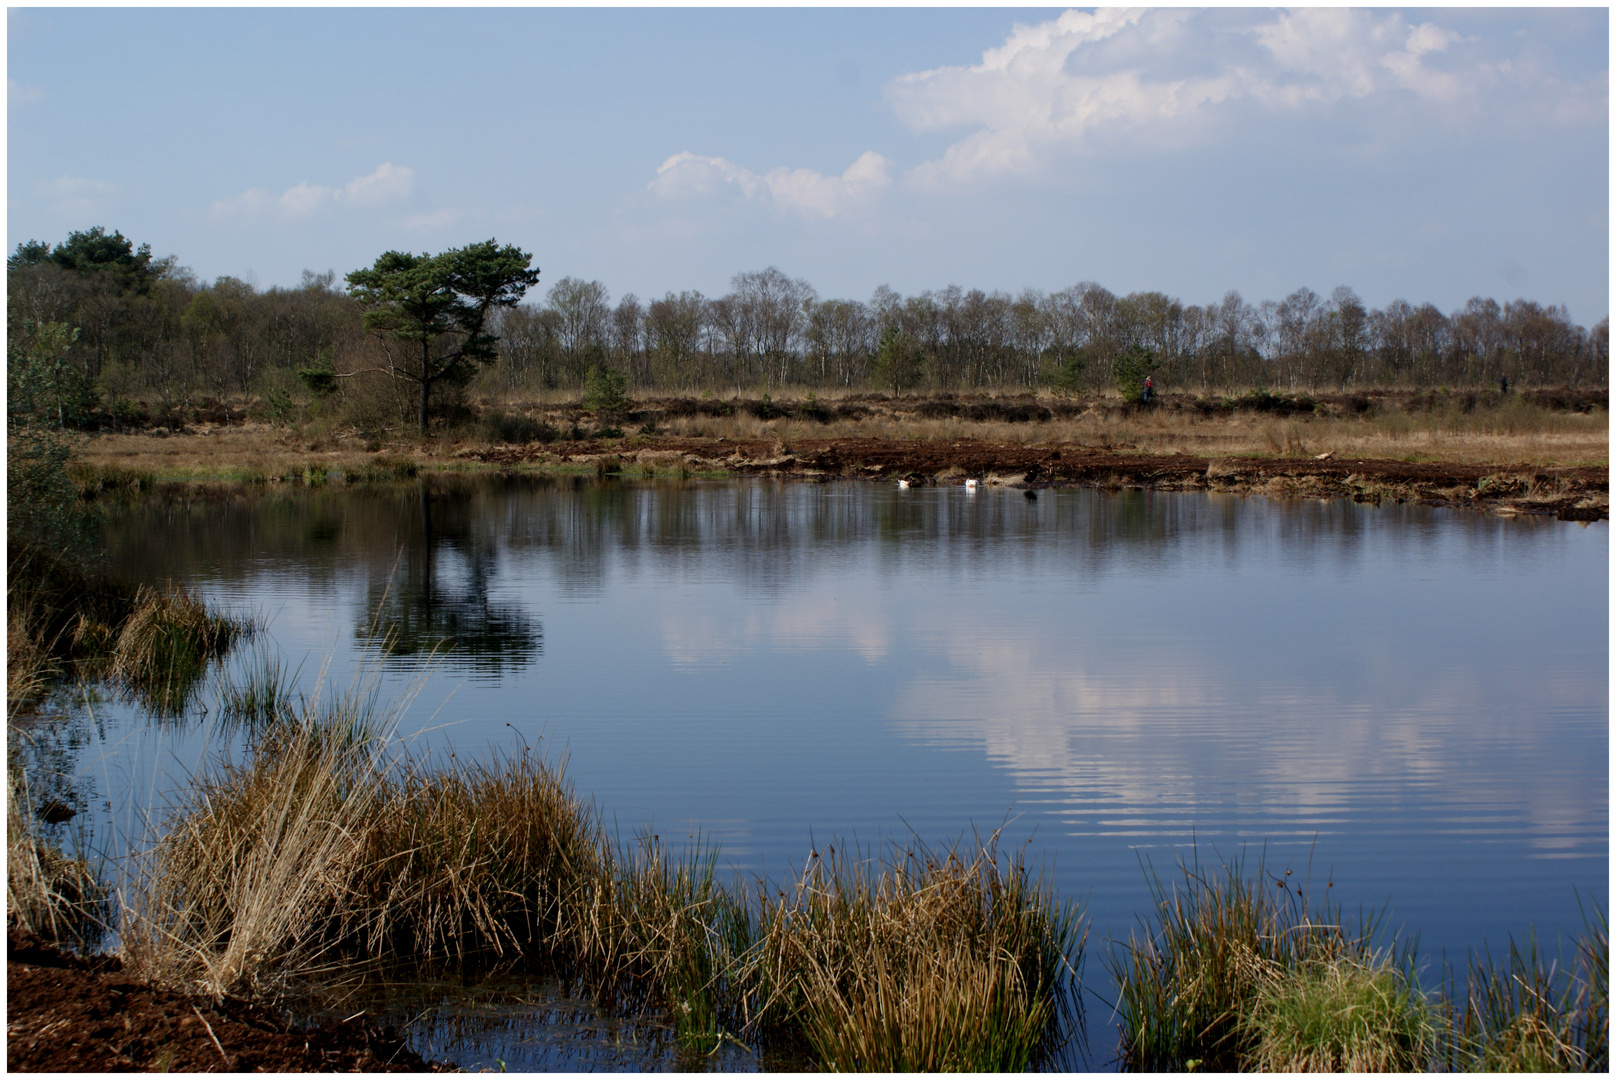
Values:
[(324, 848), (233, 896), (49, 894), (1399, 425), (929, 960)]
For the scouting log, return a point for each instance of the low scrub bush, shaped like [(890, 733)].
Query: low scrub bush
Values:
[(503, 427)]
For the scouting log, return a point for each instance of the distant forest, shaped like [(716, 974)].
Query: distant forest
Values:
[(132, 327)]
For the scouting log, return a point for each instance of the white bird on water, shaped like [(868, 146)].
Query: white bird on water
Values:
[(903, 485), (970, 485)]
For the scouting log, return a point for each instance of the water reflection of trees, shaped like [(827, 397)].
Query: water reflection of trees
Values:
[(434, 555), (434, 599)]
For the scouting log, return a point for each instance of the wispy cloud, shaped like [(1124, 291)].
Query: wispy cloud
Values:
[(22, 94), (77, 197), (686, 176), (389, 183), (435, 221)]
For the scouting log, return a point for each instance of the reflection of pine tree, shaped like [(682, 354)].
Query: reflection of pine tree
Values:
[(418, 613)]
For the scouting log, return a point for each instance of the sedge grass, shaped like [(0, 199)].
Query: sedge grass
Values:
[(1523, 1012), (1338, 1015), (1190, 980), (932, 960), (328, 847), (166, 644)]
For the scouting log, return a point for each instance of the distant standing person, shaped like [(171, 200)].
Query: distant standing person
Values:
[(1503, 384), (1149, 390)]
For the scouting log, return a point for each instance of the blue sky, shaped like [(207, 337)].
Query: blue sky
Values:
[(1424, 154)]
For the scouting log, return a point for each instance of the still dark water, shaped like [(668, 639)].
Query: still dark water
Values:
[(1417, 700)]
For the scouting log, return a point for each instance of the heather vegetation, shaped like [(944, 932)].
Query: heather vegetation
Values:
[(136, 337)]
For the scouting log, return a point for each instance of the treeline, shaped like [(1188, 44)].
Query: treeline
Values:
[(147, 329)]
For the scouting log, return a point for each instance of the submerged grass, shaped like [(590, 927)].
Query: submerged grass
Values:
[(49, 894)]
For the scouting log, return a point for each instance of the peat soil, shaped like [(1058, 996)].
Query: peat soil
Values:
[(71, 1014), (1570, 493)]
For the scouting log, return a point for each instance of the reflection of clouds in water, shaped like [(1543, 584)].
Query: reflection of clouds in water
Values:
[(799, 624), (1120, 748)]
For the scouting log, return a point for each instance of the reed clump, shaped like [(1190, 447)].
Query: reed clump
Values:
[(49, 894), (471, 860), (929, 960), (328, 847), (166, 644), (1524, 1012), (1236, 969)]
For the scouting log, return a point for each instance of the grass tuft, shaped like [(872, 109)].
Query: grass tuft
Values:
[(166, 645), (930, 960), (326, 846), (1189, 984), (1525, 1013), (1340, 1015)]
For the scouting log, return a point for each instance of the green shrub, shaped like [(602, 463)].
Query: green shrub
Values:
[(605, 390), (516, 428), (1130, 370)]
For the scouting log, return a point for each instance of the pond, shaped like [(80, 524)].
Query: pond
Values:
[(1411, 703)]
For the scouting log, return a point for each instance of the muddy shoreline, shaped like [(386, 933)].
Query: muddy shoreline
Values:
[(70, 1014), (1569, 493)]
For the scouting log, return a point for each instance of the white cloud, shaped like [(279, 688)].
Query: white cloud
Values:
[(1173, 77), (433, 222), (388, 183), (701, 640), (22, 94), (77, 197), (686, 176)]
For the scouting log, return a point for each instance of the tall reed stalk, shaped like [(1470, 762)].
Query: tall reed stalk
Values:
[(1527, 1013)]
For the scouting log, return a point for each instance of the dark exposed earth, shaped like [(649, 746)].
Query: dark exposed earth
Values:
[(70, 1014)]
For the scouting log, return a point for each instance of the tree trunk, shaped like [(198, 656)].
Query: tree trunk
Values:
[(426, 381)]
